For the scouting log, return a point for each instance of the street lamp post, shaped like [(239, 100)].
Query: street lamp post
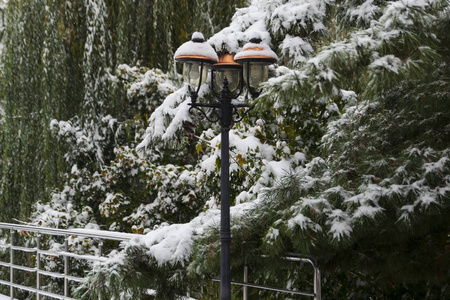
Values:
[(226, 72)]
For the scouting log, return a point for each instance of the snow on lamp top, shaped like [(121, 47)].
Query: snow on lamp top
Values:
[(196, 50), (256, 51)]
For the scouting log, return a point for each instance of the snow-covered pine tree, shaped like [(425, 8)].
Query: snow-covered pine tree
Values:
[(373, 208)]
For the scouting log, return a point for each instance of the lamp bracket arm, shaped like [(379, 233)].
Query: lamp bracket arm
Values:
[(212, 116), (238, 117)]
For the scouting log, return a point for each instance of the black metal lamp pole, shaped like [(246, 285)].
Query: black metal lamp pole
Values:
[(197, 56), (225, 234), (223, 113)]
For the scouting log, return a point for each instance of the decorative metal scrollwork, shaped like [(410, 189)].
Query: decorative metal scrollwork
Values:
[(213, 112), (237, 117), (213, 115)]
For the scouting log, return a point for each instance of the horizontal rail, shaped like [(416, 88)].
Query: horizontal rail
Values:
[(296, 259), (268, 288), (317, 294), (52, 274), (23, 249), (100, 234), (81, 256), (35, 290), (18, 267)]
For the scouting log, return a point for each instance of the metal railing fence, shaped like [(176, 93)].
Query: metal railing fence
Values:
[(317, 293), (101, 236), (39, 253)]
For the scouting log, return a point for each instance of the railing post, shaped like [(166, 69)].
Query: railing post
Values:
[(100, 248), (66, 266), (245, 281), (11, 261), (317, 284), (38, 266)]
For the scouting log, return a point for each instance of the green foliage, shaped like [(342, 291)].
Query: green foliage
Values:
[(374, 212), (122, 282), (56, 64), (378, 227), (31, 63), (356, 116), (131, 193)]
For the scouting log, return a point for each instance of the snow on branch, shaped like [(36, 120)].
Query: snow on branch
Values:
[(167, 118)]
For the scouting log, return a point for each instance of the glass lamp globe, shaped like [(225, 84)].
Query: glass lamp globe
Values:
[(255, 73), (229, 69), (194, 73), (256, 58)]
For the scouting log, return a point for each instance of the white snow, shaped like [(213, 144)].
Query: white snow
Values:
[(427, 198), (340, 229), (191, 48), (401, 12), (296, 48), (253, 49), (272, 235), (364, 12), (246, 23), (367, 211), (388, 62), (437, 166), (171, 244), (299, 12), (340, 224), (174, 106)]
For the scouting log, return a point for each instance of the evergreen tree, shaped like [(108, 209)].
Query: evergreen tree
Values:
[(373, 210)]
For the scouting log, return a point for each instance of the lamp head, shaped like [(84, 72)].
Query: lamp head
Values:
[(197, 56), (229, 69), (255, 58)]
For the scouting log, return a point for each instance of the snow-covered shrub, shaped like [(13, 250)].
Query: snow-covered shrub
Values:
[(91, 188)]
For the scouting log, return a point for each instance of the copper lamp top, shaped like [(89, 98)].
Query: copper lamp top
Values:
[(256, 51), (196, 50), (227, 59)]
